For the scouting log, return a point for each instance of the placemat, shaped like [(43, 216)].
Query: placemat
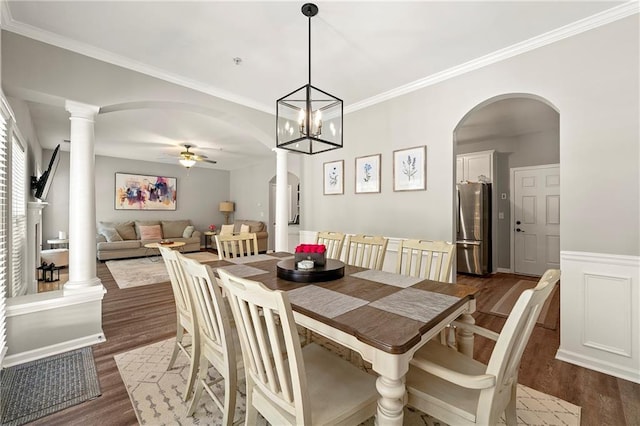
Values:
[(250, 259), (388, 278), (326, 302), (243, 271), (412, 303)]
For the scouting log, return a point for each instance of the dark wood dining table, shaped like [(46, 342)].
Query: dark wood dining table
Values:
[(383, 316)]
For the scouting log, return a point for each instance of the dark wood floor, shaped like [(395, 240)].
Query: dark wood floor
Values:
[(142, 315)]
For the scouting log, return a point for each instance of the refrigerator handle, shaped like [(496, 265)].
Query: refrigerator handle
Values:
[(458, 211)]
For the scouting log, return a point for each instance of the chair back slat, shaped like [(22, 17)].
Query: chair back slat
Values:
[(270, 345), (437, 257), (178, 284), (240, 245), (333, 241), (209, 305), (366, 251)]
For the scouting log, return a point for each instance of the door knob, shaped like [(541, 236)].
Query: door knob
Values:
[(518, 222), (519, 230)]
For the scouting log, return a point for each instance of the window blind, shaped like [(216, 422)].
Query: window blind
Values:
[(18, 218), (3, 235)]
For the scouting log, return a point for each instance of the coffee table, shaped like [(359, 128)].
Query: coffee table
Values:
[(151, 246)]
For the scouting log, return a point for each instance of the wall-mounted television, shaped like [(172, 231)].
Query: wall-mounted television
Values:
[(43, 183)]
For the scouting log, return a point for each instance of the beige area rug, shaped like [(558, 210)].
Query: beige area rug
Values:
[(156, 395), (549, 315), (147, 270)]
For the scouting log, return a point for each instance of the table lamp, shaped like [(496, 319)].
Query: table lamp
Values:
[(226, 208)]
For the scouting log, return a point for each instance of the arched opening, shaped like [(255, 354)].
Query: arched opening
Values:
[(501, 140)]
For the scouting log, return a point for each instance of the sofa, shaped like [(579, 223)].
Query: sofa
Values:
[(118, 240), (256, 226)]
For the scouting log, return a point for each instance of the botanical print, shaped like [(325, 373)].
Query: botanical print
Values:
[(140, 192), (368, 174), (410, 169), (334, 177)]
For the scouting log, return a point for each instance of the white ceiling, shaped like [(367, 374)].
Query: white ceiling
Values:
[(362, 52)]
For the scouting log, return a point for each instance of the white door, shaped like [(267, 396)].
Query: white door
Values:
[(535, 219)]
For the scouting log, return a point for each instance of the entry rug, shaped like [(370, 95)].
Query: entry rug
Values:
[(38, 388), (156, 395), (148, 270), (549, 314)]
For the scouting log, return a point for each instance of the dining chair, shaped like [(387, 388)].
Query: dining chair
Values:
[(333, 241), (217, 347), (366, 251), (186, 318), (426, 259), (459, 390), (288, 384), (230, 246)]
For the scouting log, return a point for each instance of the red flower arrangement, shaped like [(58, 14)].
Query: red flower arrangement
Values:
[(311, 248), (315, 252), (212, 228)]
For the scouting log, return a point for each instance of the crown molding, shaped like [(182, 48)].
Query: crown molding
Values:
[(615, 13), (9, 24), (610, 15)]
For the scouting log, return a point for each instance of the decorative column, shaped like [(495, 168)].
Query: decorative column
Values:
[(282, 219), (82, 198)]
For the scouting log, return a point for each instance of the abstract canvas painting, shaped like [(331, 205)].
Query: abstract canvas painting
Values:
[(140, 192)]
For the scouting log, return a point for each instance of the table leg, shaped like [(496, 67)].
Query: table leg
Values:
[(465, 338), (391, 402)]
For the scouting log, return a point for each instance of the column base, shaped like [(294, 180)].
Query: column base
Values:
[(90, 284)]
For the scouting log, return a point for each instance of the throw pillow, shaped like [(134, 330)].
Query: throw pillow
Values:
[(226, 230), (174, 228), (150, 232), (244, 229), (188, 231), (111, 234)]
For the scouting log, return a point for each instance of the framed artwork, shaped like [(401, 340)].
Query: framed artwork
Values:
[(141, 192), (334, 177), (410, 169), (368, 174)]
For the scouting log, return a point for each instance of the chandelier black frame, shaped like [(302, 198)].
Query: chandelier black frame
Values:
[(309, 120)]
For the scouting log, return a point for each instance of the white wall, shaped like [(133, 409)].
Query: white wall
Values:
[(199, 192)]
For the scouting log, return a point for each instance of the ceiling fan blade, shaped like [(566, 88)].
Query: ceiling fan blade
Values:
[(210, 161)]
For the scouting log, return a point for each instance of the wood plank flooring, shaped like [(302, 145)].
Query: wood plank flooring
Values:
[(139, 316)]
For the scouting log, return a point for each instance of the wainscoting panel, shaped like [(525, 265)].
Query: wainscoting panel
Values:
[(600, 313)]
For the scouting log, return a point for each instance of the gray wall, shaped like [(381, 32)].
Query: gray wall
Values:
[(592, 79), (199, 192)]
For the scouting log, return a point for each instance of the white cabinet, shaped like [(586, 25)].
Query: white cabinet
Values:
[(475, 167)]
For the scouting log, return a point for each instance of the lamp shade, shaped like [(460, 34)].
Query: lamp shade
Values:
[(187, 162), (226, 206)]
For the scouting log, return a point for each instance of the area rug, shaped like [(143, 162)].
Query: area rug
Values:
[(549, 314), (156, 395), (38, 388), (147, 270)]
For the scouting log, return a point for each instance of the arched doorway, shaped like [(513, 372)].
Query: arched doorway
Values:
[(497, 138)]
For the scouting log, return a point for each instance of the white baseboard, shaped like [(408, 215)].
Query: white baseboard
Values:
[(598, 365), (58, 348), (505, 270)]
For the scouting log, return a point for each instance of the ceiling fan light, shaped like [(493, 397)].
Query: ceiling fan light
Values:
[(187, 162)]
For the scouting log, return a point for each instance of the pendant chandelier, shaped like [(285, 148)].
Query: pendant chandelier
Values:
[(309, 120)]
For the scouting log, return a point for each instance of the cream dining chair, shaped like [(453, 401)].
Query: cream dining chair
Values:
[(333, 241), (459, 390), (217, 347), (287, 384), (230, 246), (186, 319), (366, 251), (426, 259)]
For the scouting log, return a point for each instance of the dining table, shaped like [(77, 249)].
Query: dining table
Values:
[(383, 316)]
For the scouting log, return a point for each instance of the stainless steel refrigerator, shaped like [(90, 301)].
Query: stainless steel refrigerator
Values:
[(473, 238)]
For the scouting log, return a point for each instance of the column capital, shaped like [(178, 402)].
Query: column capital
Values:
[(80, 110), (280, 152)]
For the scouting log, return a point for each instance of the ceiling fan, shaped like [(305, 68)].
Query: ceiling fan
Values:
[(188, 159)]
